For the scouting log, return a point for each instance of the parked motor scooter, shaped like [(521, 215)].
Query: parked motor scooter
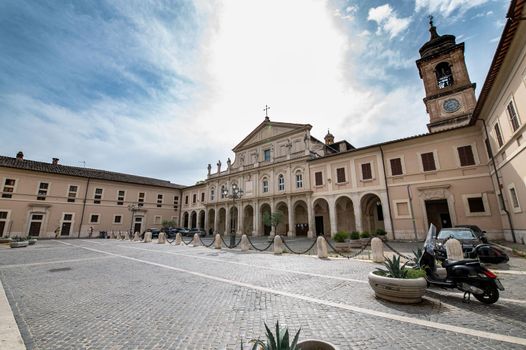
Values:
[(469, 275)]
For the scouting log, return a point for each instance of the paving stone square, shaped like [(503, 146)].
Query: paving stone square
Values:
[(110, 294)]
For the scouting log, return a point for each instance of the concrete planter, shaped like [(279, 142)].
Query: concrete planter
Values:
[(19, 244), (364, 241), (355, 243), (32, 241), (315, 344), (342, 246), (5, 240), (398, 290)]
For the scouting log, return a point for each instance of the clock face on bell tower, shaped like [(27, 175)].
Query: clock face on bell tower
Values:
[(450, 95)]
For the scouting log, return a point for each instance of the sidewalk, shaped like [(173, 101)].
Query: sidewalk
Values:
[(516, 248), (10, 337)]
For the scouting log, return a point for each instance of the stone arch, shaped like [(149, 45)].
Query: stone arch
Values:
[(372, 212), (201, 220), (186, 219), (444, 74), (345, 220), (211, 219), (248, 219), (234, 212), (301, 217), (193, 220), (322, 220), (283, 226), (266, 229)]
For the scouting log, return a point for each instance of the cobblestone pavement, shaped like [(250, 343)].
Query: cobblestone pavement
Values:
[(108, 294)]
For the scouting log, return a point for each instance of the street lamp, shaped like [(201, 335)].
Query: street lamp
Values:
[(236, 193), (133, 208)]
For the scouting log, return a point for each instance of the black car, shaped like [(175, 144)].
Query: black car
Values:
[(478, 232), (466, 236), (193, 231), (154, 231)]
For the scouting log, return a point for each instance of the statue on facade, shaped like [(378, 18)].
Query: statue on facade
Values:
[(228, 163), (218, 166), (209, 169)]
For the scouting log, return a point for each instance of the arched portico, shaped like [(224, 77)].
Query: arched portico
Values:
[(301, 218), (372, 213), (345, 220), (248, 220), (201, 220), (211, 220), (185, 219), (221, 224), (266, 229), (322, 217), (283, 227), (233, 219), (193, 220)]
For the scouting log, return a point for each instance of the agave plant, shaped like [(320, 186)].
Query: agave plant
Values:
[(417, 255), (393, 268), (279, 341)]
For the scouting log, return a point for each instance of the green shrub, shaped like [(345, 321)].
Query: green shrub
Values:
[(380, 232), (355, 235), (415, 273), (365, 234), (341, 236)]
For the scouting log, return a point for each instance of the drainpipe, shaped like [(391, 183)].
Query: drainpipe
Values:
[(412, 213), (83, 206), (387, 192), (499, 185)]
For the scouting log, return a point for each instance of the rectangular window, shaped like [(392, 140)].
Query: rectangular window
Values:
[(265, 186), (117, 219), (159, 200), (212, 194), (202, 196), (194, 198), (97, 197), (9, 188), (94, 219), (185, 199), (428, 161), (476, 205), (42, 191), (318, 178), (3, 222), (281, 183), (176, 202), (266, 155), (340, 175), (120, 197), (140, 200), (514, 198), (514, 117), (498, 135), (299, 180), (396, 166), (465, 155), (367, 173), (72, 193), (157, 220)]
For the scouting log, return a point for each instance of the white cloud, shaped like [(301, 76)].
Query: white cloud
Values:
[(387, 20), (447, 7)]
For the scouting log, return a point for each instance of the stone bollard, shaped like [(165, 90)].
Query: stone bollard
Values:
[(162, 238), (454, 250), (377, 246), (244, 243), (147, 237), (196, 242), (136, 237), (217, 241), (321, 248), (178, 238), (278, 245)]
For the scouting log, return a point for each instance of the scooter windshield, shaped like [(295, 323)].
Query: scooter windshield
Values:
[(429, 244)]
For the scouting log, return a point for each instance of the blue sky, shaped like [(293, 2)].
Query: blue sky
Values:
[(162, 88)]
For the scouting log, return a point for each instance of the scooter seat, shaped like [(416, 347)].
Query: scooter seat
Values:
[(449, 263)]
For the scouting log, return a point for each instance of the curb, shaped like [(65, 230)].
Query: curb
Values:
[(514, 251), (10, 337)]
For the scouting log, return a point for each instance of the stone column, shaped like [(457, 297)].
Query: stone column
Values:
[(332, 215), (357, 213), (216, 219), (292, 229), (387, 217), (198, 221), (272, 210), (240, 215), (310, 215), (227, 221), (255, 225)]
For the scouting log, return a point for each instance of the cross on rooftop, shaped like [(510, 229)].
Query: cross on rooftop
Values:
[(266, 110)]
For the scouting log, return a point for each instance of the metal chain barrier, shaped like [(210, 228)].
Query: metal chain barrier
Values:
[(228, 245), (292, 251), (348, 256), (206, 245), (182, 240), (258, 249), (397, 252)]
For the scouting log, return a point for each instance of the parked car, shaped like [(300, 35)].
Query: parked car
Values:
[(193, 231), (170, 232), (183, 230), (466, 236), (480, 234), (154, 231)]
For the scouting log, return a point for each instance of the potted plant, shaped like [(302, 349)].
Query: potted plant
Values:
[(380, 233), (355, 240), (340, 239), (19, 242), (281, 341), (365, 237), (397, 283)]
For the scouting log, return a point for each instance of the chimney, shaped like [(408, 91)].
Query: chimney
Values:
[(20, 155), (55, 161)]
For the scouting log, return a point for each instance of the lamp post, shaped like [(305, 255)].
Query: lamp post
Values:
[(133, 208), (235, 193)]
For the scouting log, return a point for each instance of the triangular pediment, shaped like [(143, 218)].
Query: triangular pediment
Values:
[(268, 131)]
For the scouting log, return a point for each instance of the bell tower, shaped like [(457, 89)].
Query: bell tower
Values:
[(450, 95)]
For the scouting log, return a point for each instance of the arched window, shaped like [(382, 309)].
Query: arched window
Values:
[(281, 182), (212, 194), (223, 191), (299, 180), (265, 185), (444, 75)]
